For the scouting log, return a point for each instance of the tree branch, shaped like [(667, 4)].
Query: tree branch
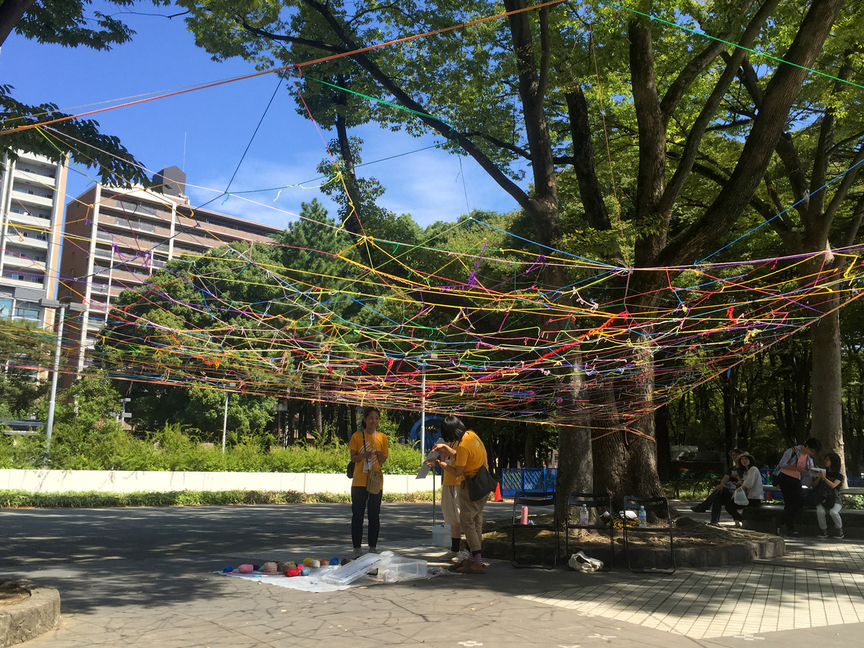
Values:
[(11, 11), (583, 161), (758, 149), (854, 223), (652, 142), (696, 66), (697, 131), (406, 100), (293, 40)]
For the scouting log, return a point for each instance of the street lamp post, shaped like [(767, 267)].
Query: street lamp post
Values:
[(225, 416), (49, 425), (225, 422), (52, 402)]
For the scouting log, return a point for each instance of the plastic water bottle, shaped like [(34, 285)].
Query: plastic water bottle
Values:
[(643, 517), (583, 516)]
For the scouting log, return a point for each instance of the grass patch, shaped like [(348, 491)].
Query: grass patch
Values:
[(16, 499)]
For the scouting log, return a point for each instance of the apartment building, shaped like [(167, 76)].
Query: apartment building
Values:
[(115, 238), (32, 193)]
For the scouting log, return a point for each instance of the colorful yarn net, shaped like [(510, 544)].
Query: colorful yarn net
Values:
[(481, 336)]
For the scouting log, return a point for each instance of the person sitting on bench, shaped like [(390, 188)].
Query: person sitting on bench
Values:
[(727, 485)]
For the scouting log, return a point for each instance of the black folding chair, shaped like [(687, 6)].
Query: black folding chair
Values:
[(596, 503), (659, 506), (534, 500)]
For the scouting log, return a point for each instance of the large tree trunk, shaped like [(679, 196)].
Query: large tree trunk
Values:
[(664, 453), (825, 379), (730, 407)]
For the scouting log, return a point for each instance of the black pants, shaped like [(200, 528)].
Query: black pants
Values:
[(793, 501), (718, 500), (734, 509), (361, 499)]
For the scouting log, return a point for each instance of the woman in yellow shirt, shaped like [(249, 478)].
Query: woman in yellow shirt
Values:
[(469, 455), (369, 450)]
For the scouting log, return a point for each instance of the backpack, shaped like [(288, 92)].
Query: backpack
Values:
[(781, 465)]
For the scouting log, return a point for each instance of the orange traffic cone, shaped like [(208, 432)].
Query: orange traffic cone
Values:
[(498, 497)]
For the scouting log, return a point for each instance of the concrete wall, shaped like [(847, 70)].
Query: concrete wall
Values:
[(121, 481)]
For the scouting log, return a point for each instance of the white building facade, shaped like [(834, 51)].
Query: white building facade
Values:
[(32, 192)]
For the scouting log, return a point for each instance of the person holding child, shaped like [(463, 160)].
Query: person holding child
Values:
[(833, 480)]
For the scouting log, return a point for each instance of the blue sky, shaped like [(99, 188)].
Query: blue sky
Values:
[(216, 125)]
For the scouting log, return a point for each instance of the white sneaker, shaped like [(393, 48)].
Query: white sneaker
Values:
[(823, 534), (460, 556)]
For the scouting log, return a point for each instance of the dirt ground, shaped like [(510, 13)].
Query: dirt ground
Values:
[(10, 594)]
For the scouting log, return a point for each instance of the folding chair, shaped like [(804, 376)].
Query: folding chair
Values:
[(660, 507), (534, 500), (596, 502)]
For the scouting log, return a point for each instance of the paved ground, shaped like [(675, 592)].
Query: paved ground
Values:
[(141, 577)]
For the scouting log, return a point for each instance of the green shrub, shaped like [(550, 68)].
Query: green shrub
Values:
[(854, 502), (23, 499), (171, 448)]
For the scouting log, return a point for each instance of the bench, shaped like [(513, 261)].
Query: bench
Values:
[(764, 519), (773, 492)]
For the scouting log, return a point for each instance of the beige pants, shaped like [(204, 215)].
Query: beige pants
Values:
[(471, 518), (450, 508)]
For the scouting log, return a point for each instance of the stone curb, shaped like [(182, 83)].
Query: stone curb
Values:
[(29, 619), (767, 547)]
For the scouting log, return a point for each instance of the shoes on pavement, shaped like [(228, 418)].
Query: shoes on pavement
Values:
[(374, 550), (357, 552), (698, 509), (714, 524), (460, 556), (738, 524), (460, 565), (472, 567), (839, 536), (823, 534), (448, 556)]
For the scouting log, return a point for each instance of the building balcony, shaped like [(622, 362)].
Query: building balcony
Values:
[(27, 198), (27, 240), (13, 261), (28, 220), (24, 279)]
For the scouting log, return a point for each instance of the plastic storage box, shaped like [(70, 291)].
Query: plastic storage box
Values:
[(347, 574), (398, 568)]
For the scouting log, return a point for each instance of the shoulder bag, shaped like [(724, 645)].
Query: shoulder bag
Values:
[(480, 485), (349, 471), (374, 480)]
